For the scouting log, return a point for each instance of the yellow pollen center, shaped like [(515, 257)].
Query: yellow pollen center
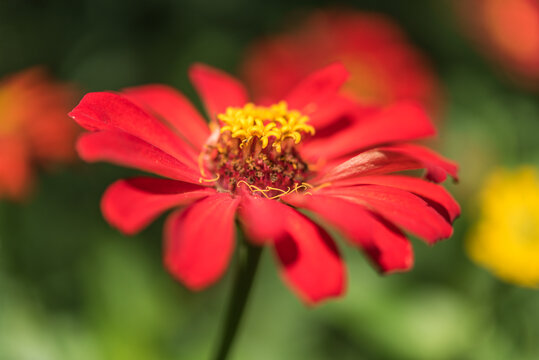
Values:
[(9, 118), (275, 123)]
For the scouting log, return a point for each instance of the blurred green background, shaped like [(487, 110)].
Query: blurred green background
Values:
[(71, 287)]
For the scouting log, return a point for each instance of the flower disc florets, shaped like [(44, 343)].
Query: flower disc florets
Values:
[(257, 147)]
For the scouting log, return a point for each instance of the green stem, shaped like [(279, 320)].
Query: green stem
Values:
[(248, 259)]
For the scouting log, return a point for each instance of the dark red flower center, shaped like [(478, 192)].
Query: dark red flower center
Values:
[(257, 147)]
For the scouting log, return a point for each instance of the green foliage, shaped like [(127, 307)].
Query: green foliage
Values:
[(71, 287)]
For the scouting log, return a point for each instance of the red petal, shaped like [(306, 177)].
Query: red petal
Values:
[(427, 190), (385, 245), (217, 89), (389, 159), (108, 111), (402, 121), (399, 207), (437, 166), (328, 112), (199, 241), (172, 106), (126, 150), (317, 88), (369, 163), (130, 205), (261, 218), (311, 262)]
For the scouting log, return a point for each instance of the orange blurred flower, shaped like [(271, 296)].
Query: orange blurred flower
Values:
[(34, 128), (508, 31), (384, 67)]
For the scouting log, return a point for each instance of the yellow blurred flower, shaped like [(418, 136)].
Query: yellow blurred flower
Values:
[(505, 240)]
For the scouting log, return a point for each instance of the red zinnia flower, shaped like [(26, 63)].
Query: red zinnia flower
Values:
[(34, 128), (255, 161), (509, 32), (384, 67)]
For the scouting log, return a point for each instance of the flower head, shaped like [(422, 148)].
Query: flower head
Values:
[(258, 163), (256, 148), (384, 67), (34, 128), (505, 239)]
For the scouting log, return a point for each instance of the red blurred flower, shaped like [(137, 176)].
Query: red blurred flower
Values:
[(508, 31), (384, 67), (34, 128), (253, 162)]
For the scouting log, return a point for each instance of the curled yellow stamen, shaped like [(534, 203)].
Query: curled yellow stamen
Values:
[(321, 186), (201, 160), (264, 192), (201, 180)]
